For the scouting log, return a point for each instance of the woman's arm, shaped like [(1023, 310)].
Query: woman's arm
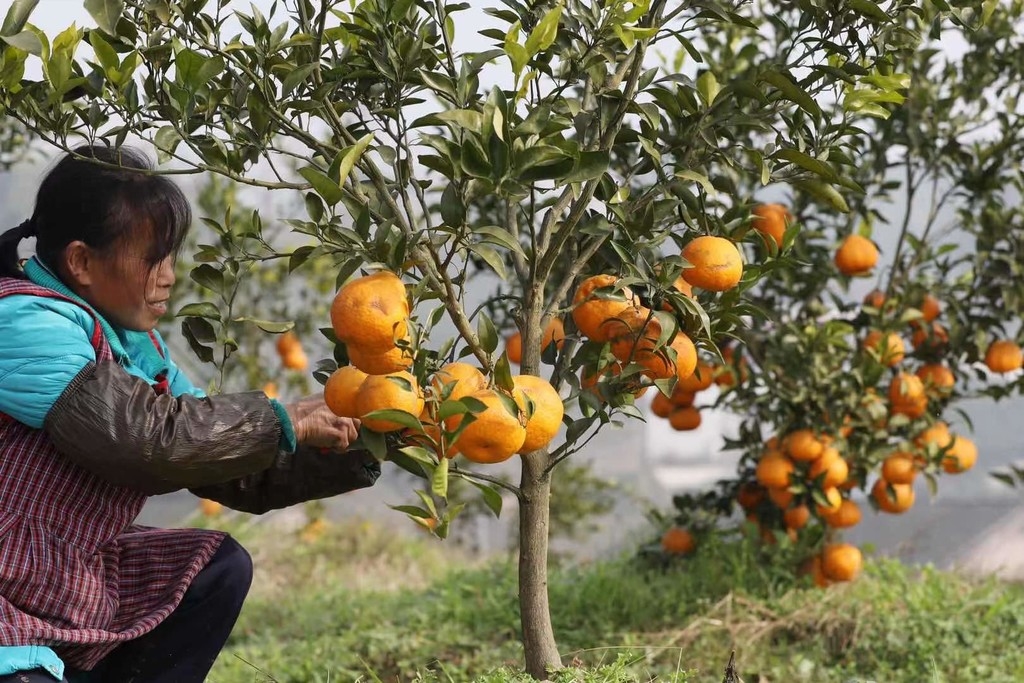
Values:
[(114, 424), (308, 474)]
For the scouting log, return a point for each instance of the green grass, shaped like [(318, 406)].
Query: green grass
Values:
[(366, 604)]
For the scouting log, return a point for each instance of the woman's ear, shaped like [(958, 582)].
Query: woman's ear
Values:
[(78, 264)]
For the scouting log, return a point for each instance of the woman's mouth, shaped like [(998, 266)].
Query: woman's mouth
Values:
[(159, 307)]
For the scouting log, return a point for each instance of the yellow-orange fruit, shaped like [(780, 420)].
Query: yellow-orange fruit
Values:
[(716, 262), (841, 562), (857, 255), (678, 541)]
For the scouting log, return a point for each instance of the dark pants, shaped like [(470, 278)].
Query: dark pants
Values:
[(184, 646)]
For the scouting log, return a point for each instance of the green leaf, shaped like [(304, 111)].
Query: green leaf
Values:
[(708, 87), (463, 118), (351, 156), (869, 10), (808, 162), (328, 190), (486, 332), (449, 408), (698, 178), (517, 54), (266, 325), (27, 41), (208, 277), (503, 373), (17, 16), (196, 332), (589, 166), (491, 257), (825, 193), (545, 32), (375, 442), (792, 92), (439, 480), (500, 236), (166, 141), (398, 416), (412, 511), (106, 13), (202, 309), (492, 497), (409, 464)]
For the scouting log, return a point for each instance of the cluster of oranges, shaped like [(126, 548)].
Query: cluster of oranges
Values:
[(608, 312), (805, 477), (458, 412)]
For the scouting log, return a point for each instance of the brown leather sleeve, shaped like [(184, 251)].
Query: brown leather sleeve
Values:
[(114, 425), (305, 475)]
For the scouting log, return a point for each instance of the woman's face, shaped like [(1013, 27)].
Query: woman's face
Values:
[(121, 285)]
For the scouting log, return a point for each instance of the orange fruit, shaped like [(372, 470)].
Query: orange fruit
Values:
[(907, 396), (295, 359), (782, 497), (750, 495), (796, 517), (287, 343), (937, 434), (831, 467), (887, 346), (678, 541), (543, 425), (961, 456), (846, 516), (514, 347), (210, 508), (773, 471), (661, 405), (458, 379), (494, 435), (684, 419), (930, 308), (393, 359), (700, 379), (371, 312), (658, 364), (593, 309), (899, 468), (1003, 355), (857, 255), (394, 391), (818, 574), (554, 333), (929, 338), (803, 445), (270, 390), (841, 562), (893, 498), (341, 390), (834, 504), (590, 380), (681, 398), (875, 299), (772, 220), (937, 377), (717, 263)]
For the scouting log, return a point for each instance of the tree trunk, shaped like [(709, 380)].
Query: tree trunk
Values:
[(539, 646)]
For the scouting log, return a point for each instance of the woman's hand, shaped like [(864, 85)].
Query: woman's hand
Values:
[(315, 425)]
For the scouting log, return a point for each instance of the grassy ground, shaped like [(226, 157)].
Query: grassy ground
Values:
[(363, 603)]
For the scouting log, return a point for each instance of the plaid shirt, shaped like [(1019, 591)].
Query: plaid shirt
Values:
[(75, 573)]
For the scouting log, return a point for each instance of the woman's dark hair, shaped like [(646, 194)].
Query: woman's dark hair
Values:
[(104, 197)]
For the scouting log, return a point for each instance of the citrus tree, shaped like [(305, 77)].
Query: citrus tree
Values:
[(589, 155), (885, 318)]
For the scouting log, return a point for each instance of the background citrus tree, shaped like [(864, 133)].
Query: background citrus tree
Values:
[(859, 362), (583, 153)]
